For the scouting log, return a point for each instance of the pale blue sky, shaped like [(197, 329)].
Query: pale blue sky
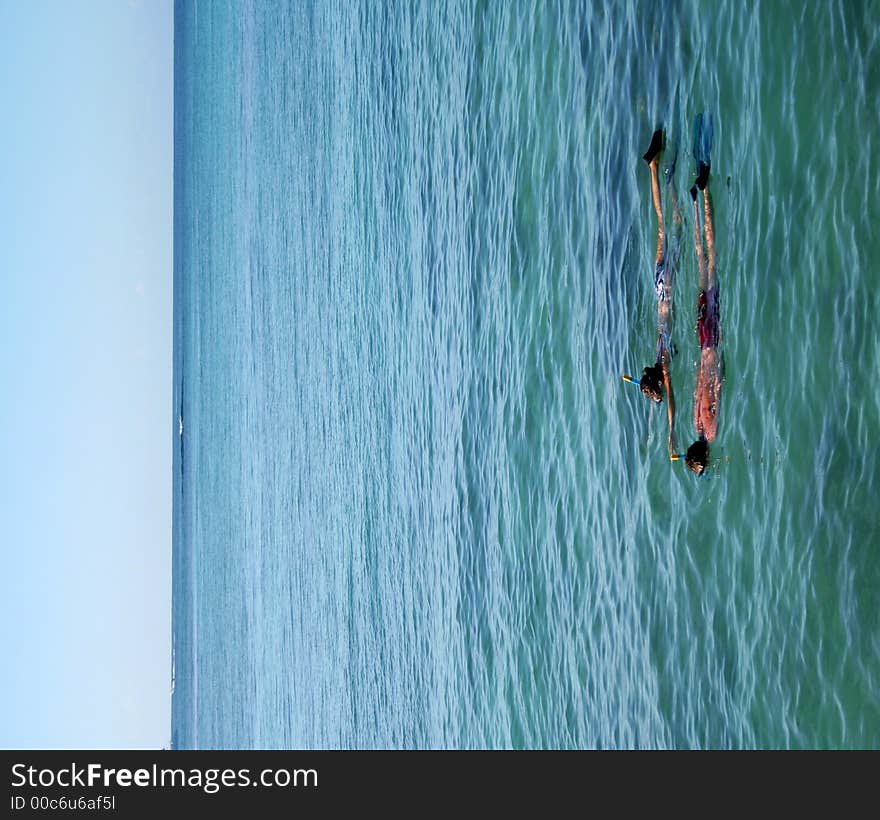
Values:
[(86, 421)]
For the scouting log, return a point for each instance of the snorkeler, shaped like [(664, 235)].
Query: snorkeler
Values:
[(708, 388), (655, 378)]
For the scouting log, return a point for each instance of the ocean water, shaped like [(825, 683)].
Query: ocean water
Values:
[(414, 504)]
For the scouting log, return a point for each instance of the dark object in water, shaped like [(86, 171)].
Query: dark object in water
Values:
[(702, 176), (697, 456), (655, 147)]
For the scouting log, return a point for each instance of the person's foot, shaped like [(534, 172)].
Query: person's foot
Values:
[(655, 147)]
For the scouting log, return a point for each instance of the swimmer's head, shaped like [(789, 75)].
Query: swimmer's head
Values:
[(697, 456), (652, 383)]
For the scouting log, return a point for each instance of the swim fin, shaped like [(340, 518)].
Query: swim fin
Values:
[(702, 176), (655, 147), (703, 132)]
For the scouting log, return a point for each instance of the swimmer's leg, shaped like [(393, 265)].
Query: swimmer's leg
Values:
[(651, 156), (703, 128), (655, 193), (675, 245), (709, 230), (671, 259), (702, 275)]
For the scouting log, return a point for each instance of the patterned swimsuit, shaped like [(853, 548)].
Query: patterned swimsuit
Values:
[(707, 318), (662, 289), (661, 282)]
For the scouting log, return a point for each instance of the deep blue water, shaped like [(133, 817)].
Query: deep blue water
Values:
[(414, 505)]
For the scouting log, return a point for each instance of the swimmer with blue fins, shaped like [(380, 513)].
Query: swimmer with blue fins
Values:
[(656, 378)]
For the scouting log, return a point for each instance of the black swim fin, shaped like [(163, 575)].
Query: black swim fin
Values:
[(702, 176), (703, 133), (655, 147)]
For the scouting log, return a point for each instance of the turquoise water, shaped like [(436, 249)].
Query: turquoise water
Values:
[(414, 505)]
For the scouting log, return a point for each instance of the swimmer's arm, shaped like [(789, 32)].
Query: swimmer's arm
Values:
[(703, 397)]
